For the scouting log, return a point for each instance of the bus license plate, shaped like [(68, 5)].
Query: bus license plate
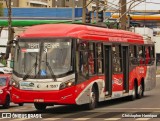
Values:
[(38, 100)]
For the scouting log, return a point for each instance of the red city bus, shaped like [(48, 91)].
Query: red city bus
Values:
[(80, 64)]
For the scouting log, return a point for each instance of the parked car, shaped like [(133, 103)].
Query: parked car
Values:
[(5, 70), (5, 89)]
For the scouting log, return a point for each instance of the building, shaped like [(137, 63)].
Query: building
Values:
[(42, 3), (28, 3), (3, 3)]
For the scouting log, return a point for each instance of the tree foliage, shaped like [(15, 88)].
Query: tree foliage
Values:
[(1, 9)]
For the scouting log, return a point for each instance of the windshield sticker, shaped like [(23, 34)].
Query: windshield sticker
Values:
[(29, 50)]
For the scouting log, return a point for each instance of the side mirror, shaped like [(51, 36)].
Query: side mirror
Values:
[(13, 42)]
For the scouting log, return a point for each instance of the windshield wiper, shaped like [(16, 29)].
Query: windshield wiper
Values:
[(31, 70), (50, 68), (51, 71)]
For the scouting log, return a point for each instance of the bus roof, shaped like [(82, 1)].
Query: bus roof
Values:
[(82, 32)]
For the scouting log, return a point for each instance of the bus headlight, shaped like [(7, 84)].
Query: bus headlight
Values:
[(15, 84), (1, 91), (67, 84)]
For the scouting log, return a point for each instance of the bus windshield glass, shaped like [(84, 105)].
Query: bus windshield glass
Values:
[(43, 58)]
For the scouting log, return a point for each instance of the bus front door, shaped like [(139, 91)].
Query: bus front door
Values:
[(108, 69), (125, 64)]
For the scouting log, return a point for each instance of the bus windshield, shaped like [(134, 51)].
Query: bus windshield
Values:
[(39, 59)]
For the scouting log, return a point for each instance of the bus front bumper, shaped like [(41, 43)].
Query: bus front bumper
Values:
[(65, 96)]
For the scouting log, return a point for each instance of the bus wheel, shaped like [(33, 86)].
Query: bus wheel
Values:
[(134, 93), (21, 104), (40, 106), (93, 99), (7, 102), (140, 92)]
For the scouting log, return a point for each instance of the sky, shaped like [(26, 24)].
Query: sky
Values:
[(143, 5)]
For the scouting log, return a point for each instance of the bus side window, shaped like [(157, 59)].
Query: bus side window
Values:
[(133, 54), (152, 54), (117, 60), (91, 59), (100, 58), (83, 59), (147, 55), (140, 55)]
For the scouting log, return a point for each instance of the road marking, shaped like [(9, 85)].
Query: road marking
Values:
[(52, 119), (21, 119), (143, 119), (24, 108), (17, 109), (94, 115), (81, 119), (112, 119), (131, 108)]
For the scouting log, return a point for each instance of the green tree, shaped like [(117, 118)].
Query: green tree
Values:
[(1, 9)]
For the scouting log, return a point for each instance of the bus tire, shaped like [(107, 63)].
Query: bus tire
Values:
[(21, 104), (93, 99), (40, 106), (134, 93), (140, 92), (7, 102)]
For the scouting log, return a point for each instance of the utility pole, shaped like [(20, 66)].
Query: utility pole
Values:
[(10, 30), (73, 10), (92, 16), (123, 14), (97, 10), (105, 8), (84, 11), (1, 28)]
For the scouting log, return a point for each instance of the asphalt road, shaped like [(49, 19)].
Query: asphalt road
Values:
[(116, 110)]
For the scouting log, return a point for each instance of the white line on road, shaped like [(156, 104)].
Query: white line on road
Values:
[(17, 109), (142, 119), (51, 119), (112, 119), (131, 108), (94, 115), (21, 119), (81, 119)]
